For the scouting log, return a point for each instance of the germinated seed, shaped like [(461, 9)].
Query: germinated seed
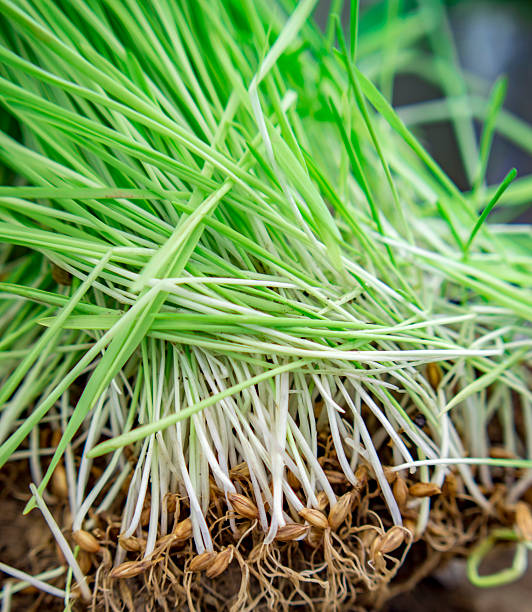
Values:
[(335, 477), (59, 482), (341, 510), (293, 481), (220, 563), (243, 506), (314, 537), (183, 529), (498, 452), (61, 276), (241, 470), (86, 541), (450, 486), (424, 489), (323, 500), (129, 569), (392, 539), (316, 518), (84, 561), (400, 492), (202, 561), (291, 531), (131, 544), (389, 474)]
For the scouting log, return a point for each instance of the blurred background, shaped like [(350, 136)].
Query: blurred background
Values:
[(491, 38)]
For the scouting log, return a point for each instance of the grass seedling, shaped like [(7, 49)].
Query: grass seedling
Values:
[(250, 330)]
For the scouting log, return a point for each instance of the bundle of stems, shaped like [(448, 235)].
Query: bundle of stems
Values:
[(215, 224)]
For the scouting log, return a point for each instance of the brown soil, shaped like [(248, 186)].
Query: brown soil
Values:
[(25, 541)]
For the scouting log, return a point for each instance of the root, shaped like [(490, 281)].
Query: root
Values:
[(348, 557), (326, 570)]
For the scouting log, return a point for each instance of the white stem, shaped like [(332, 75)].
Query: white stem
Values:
[(95, 427), (374, 459), (33, 580), (154, 505), (142, 491), (63, 544)]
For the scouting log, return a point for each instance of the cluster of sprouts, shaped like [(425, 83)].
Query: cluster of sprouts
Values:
[(221, 240)]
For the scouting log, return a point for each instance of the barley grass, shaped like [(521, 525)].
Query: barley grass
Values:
[(246, 229)]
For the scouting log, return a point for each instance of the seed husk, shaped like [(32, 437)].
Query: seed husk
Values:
[(293, 481), (86, 541), (323, 500), (316, 518), (375, 546), (172, 503), (314, 537), (220, 563), (59, 482), (75, 592), (242, 528), (183, 530), (340, 510), (169, 541), (400, 492), (241, 470), (145, 516), (450, 486), (367, 536), (361, 475), (98, 533), (129, 569), (434, 374), (390, 474), (291, 531), (202, 561), (84, 562), (335, 477), (392, 539), (243, 506), (410, 525), (130, 544), (523, 520), (424, 489)]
